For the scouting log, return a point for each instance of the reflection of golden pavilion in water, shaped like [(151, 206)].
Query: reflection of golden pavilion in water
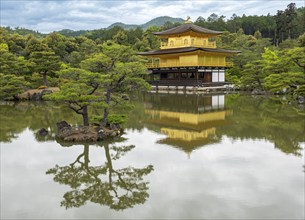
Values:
[(190, 130)]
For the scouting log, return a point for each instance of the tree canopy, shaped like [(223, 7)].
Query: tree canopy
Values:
[(101, 80)]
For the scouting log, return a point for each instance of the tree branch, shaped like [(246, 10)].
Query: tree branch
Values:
[(78, 111), (296, 60), (78, 159)]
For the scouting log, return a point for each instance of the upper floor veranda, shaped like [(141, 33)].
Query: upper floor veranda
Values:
[(186, 41)]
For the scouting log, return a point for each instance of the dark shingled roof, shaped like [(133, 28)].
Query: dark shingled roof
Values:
[(185, 50), (186, 28)]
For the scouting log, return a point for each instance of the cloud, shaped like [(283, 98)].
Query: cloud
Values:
[(47, 16)]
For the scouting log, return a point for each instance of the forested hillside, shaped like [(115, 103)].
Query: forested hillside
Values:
[(272, 46), (159, 21)]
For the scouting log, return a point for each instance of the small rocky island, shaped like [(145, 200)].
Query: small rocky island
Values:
[(91, 133), (80, 133)]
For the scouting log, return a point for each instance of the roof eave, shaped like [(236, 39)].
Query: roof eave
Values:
[(166, 34)]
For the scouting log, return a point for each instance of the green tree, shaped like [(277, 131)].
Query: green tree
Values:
[(11, 85), (16, 44), (301, 40), (258, 35), (253, 75), (11, 63), (80, 89), (150, 40), (134, 35), (274, 62), (84, 48), (121, 37), (283, 69), (287, 82), (45, 63), (291, 15), (34, 45), (121, 70), (297, 55), (102, 81), (59, 44)]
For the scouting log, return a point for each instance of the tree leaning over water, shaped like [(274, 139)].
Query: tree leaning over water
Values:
[(101, 81)]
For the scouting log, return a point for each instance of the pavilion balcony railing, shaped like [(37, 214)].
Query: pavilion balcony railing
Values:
[(173, 82), (152, 65), (188, 82), (206, 44)]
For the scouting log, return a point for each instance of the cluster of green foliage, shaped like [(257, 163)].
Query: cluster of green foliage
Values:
[(286, 24), (88, 72), (264, 66)]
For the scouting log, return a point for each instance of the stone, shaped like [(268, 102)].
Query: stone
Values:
[(42, 132), (62, 124), (37, 94), (258, 92), (125, 97), (301, 99), (36, 97)]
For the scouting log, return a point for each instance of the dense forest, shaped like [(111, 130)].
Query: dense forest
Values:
[(272, 46)]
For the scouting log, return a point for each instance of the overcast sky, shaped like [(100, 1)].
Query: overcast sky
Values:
[(47, 16)]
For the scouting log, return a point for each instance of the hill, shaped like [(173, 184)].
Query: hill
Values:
[(159, 21), (72, 33), (124, 26)]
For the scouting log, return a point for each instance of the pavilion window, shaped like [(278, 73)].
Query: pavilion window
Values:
[(163, 75), (185, 42), (170, 75), (156, 77), (201, 75), (183, 75), (204, 42), (171, 43)]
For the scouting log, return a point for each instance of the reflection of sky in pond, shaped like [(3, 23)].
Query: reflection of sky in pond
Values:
[(229, 179)]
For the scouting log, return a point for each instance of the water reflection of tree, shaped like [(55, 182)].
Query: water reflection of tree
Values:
[(105, 185), (18, 116), (266, 118)]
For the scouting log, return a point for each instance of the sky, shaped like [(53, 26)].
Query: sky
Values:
[(46, 16)]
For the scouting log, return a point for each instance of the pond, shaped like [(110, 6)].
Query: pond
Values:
[(182, 156)]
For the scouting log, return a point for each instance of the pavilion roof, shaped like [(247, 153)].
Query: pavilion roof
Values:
[(186, 27), (188, 146)]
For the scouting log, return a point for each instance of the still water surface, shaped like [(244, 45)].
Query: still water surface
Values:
[(183, 156)]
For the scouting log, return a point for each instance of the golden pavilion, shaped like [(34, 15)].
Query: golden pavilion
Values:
[(188, 57)]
